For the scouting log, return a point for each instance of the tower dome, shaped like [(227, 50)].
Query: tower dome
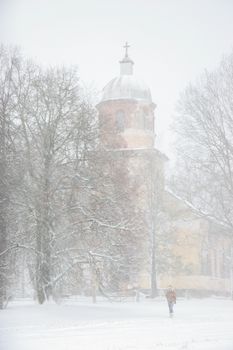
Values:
[(126, 86)]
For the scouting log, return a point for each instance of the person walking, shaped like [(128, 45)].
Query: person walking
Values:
[(171, 299)]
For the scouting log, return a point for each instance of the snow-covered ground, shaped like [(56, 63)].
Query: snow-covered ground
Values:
[(79, 325)]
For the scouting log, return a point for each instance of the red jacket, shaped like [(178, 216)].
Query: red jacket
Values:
[(171, 296)]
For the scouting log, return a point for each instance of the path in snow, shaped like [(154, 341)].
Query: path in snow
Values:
[(198, 325)]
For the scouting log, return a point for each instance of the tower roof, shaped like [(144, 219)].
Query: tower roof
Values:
[(126, 86)]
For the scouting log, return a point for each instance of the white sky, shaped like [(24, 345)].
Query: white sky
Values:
[(172, 41)]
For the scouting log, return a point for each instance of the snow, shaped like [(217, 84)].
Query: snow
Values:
[(205, 324)]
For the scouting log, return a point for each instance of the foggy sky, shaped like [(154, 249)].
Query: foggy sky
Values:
[(172, 41)]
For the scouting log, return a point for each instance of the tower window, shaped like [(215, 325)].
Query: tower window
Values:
[(120, 120), (140, 119), (149, 123)]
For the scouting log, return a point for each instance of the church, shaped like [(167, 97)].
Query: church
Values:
[(179, 246)]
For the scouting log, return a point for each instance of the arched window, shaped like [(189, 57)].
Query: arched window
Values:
[(148, 119), (120, 120), (148, 123), (140, 119)]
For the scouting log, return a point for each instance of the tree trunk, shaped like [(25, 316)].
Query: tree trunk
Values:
[(3, 262), (3, 210), (154, 288)]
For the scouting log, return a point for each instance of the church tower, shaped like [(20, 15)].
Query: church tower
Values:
[(127, 135), (126, 111)]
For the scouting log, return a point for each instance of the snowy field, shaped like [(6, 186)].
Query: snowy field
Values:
[(79, 325)]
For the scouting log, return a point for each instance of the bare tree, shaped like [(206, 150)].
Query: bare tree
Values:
[(204, 128), (53, 122), (161, 223), (115, 227), (7, 133)]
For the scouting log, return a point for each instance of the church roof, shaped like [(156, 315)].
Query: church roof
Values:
[(126, 86)]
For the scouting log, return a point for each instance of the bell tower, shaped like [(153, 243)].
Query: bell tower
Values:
[(127, 135), (126, 110)]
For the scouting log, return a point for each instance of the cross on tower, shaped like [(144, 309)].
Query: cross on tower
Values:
[(126, 46)]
